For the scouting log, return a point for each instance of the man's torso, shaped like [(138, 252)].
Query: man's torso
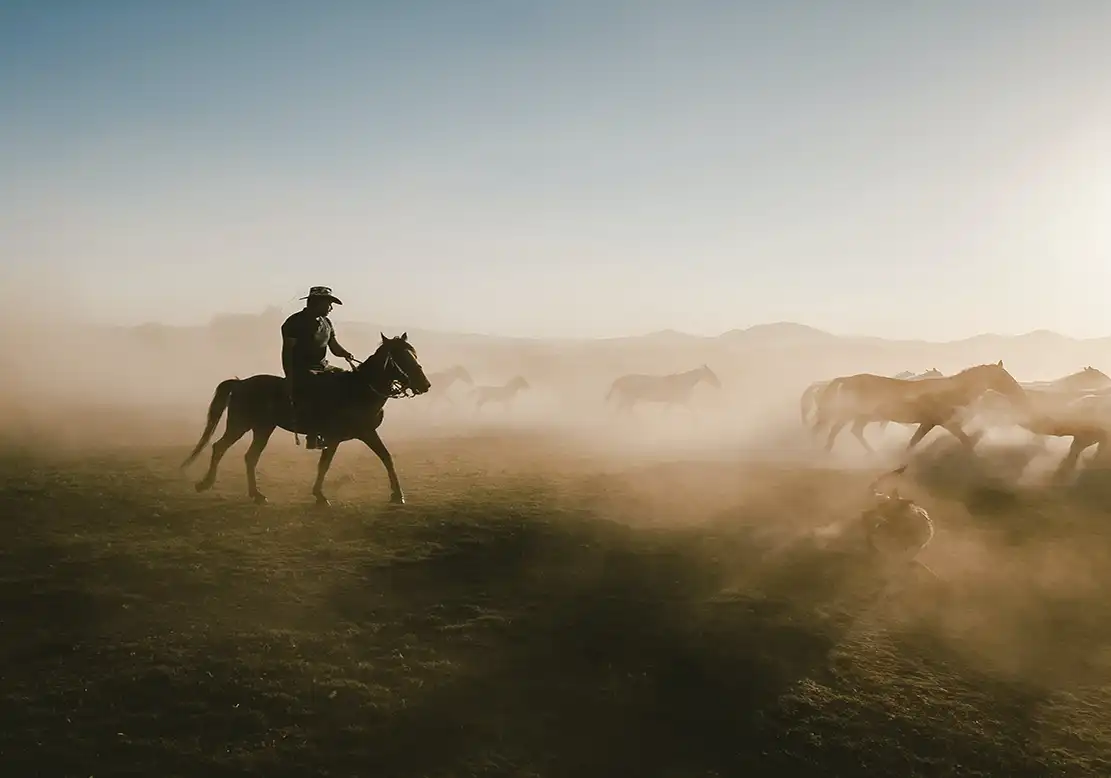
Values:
[(312, 334)]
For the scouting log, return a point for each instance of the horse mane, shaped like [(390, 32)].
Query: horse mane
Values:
[(978, 367)]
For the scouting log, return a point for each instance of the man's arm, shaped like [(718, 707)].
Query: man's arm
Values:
[(337, 349), (289, 343)]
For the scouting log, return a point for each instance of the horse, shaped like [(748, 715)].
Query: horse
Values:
[(503, 394), (356, 398), (669, 389), (808, 403), (1059, 408), (928, 402), (1083, 416), (443, 380), (1087, 380)]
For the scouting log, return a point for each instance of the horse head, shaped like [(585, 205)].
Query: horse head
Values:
[(393, 369), (710, 377), (519, 382), (460, 373), (995, 378), (1091, 378)]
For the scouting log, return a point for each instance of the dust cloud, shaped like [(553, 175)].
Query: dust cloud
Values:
[(1012, 552)]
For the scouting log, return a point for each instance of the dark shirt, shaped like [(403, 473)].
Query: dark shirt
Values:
[(313, 334)]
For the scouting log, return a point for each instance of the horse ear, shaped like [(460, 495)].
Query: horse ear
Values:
[(405, 336), (1000, 363), (385, 340)]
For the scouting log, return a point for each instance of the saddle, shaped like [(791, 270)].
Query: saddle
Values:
[(314, 398)]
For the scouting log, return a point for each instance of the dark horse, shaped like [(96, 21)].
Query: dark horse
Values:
[(355, 399)]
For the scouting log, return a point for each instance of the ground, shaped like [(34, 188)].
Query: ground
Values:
[(537, 610)]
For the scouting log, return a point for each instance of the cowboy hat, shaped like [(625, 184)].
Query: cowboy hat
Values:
[(323, 291)]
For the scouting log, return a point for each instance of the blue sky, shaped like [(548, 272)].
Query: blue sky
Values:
[(921, 169)]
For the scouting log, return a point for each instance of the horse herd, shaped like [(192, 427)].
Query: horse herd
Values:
[(966, 404), (624, 393), (1077, 406)]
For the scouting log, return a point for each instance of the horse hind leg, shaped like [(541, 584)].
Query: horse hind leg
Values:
[(834, 431), (1070, 460), (236, 428), (260, 437), (858, 431)]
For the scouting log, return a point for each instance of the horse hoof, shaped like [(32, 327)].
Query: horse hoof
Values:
[(260, 499), (322, 502), (397, 499), (202, 486)]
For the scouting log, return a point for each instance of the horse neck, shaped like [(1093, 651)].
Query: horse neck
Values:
[(373, 370), (968, 385), (692, 377)]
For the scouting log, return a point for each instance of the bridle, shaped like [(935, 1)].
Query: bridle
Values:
[(397, 388)]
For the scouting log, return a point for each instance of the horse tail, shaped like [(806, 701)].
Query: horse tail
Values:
[(216, 409), (826, 395), (807, 400)]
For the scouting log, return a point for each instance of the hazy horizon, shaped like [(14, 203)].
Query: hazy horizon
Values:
[(587, 170)]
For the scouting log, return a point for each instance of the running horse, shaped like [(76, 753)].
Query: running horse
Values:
[(443, 380), (1077, 406), (928, 402), (808, 403), (356, 400), (669, 389), (503, 394)]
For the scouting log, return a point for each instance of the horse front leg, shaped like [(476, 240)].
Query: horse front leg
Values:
[(922, 431), (954, 428), (259, 439), (375, 444), (322, 466)]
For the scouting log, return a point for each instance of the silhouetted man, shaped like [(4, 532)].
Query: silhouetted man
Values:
[(307, 337)]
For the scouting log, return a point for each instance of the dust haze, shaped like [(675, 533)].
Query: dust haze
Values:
[(1020, 561)]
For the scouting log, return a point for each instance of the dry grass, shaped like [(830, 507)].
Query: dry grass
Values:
[(535, 611)]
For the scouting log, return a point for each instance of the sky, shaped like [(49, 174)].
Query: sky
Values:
[(585, 168)]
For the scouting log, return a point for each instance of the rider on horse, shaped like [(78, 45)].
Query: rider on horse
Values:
[(307, 336)]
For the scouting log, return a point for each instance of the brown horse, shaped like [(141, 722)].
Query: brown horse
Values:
[(1073, 406), (355, 398), (1087, 380), (1083, 416), (808, 403), (504, 394), (443, 380), (674, 389), (927, 402)]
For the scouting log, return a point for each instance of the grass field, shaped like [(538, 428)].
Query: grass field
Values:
[(537, 610)]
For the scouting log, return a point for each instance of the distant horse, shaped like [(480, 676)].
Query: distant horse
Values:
[(808, 403), (929, 402), (1087, 380), (443, 380), (669, 389), (356, 399), (503, 394)]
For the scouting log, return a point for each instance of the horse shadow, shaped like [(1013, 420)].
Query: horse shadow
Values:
[(611, 653)]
